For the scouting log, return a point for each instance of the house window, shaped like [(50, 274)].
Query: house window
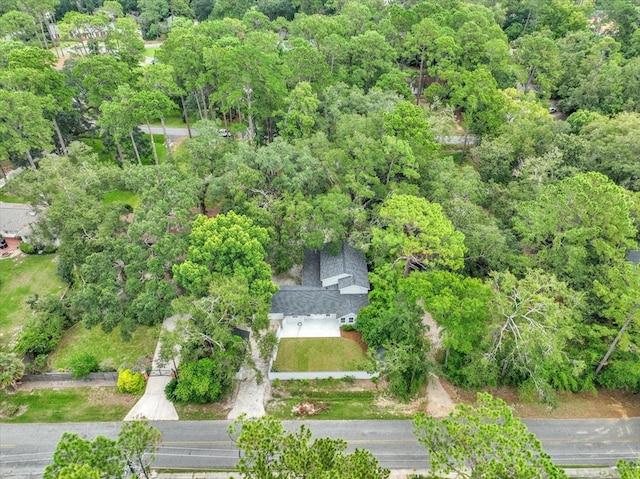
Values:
[(343, 320), (351, 320), (327, 315)]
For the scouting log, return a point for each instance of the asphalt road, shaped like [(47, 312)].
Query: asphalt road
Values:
[(177, 132), (25, 449)]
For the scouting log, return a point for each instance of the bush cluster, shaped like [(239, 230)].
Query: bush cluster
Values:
[(82, 364), (130, 382), (27, 248)]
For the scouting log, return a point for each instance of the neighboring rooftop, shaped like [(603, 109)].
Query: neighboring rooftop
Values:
[(633, 256), (15, 219)]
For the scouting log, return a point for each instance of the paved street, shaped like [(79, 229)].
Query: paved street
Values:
[(26, 449)]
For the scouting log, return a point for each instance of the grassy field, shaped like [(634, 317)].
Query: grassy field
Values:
[(109, 349), (335, 399), (122, 197), (319, 354), (111, 157), (21, 278), (174, 120), (202, 412), (65, 405)]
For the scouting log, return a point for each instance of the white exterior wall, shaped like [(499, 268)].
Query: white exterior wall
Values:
[(333, 279), (354, 289)]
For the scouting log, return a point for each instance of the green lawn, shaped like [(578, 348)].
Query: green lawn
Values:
[(319, 354), (21, 278), (122, 197), (84, 404), (109, 349), (174, 120)]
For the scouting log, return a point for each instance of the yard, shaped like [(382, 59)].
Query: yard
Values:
[(338, 399), (109, 349), (319, 354), (65, 405), (20, 279)]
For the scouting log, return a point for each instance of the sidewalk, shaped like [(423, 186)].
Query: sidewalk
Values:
[(251, 396), (154, 405)]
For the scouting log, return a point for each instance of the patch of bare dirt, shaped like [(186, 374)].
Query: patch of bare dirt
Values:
[(109, 396), (616, 404), (8, 411), (293, 277), (387, 403), (354, 336)]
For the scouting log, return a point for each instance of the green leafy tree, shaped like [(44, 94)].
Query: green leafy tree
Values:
[(138, 443), (484, 441), (629, 469), (618, 290), (536, 317), (73, 453), (299, 118), (269, 451), (416, 233), (461, 306), (23, 127), (230, 244), (131, 454), (578, 226), (538, 56)]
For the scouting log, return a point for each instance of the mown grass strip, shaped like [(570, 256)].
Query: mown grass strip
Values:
[(319, 354), (65, 405)]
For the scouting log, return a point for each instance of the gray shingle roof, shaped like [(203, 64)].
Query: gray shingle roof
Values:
[(348, 261), (301, 301), (312, 298), (633, 256), (15, 219), (311, 269)]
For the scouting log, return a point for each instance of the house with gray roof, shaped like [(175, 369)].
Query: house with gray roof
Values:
[(334, 288), (16, 219), (633, 256)]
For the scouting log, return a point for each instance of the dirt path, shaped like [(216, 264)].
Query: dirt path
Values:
[(439, 403)]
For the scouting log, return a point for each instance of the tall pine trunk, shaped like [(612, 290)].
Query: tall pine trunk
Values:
[(167, 143), (135, 148), (63, 146), (30, 158), (613, 345), (153, 143), (186, 115), (119, 150)]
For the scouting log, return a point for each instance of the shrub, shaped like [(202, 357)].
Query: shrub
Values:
[(38, 365), (83, 364), (49, 249), (348, 327), (170, 390), (130, 382), (40, 335), (11, 369), (267, 344), (197, 383), (26, 248)]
